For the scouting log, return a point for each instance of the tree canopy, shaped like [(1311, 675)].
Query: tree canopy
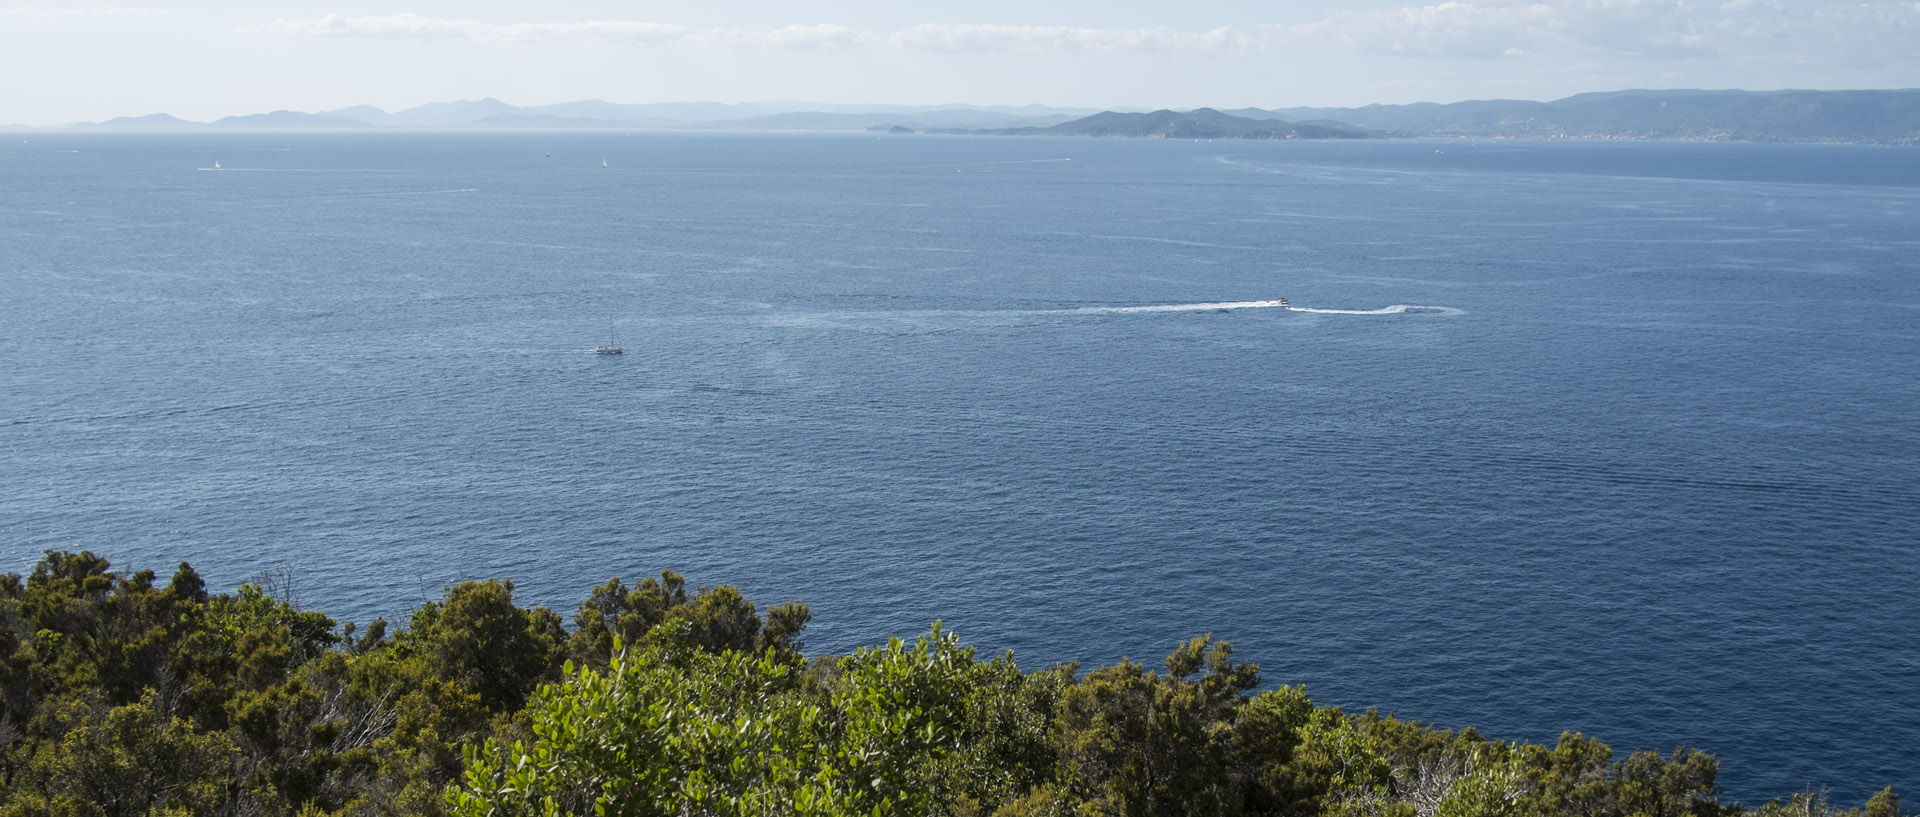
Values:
[(126, 697)]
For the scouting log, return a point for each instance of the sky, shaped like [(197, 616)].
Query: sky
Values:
[(203, 59)]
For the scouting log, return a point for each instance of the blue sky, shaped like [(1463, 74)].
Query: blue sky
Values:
[(203, 59)]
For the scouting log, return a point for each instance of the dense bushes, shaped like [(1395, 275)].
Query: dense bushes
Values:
[(122, 697)]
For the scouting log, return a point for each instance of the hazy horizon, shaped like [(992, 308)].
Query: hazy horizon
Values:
[(773, 107), (202, 60)]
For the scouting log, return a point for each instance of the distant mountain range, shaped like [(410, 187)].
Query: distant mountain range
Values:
[(1199, 123), (1884, 117), (593, 114)]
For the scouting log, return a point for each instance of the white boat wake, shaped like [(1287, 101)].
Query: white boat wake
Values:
[(937, 321), (1396, 309), (1199, 307)]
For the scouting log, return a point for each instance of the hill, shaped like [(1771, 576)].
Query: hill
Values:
[(1199, 123), (1883, 117), (286, 120), (931, 120), (155, 121), (593, 114), (1878, 117)]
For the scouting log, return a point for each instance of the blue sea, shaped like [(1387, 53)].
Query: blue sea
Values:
[(1619, 438)]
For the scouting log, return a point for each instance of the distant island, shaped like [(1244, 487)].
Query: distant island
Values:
[(1890, 117), (1199, 123)]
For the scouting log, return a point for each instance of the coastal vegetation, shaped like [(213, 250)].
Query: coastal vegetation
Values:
[(120, 695)]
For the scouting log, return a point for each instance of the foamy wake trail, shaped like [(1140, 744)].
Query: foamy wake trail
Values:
[(1386, 310), (1396, 309), (918, 322), (1110, 310)]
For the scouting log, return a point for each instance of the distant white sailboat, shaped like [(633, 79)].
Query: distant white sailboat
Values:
[(216, 164), (610, 348)]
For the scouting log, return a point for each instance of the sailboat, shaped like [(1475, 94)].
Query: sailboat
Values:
[(216, 164), (603, 163), (608, 348)]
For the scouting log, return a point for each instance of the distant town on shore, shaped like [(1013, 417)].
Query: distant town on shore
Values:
[(1866, 116)]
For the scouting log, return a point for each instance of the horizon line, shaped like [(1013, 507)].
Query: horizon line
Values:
[(918, 107)]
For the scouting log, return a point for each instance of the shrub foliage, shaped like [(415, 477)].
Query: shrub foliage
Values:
[(125, 697)]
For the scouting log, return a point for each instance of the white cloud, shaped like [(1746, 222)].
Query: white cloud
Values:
[(1642, 28), (1879, 38), (1835, 33), (623, 30), (395, 25), (1886, 34), (418, 27), (947, 38), (1542, 32), (823, 36), (973, 38)]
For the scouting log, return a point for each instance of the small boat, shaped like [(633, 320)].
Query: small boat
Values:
[(216, 165), (603, 163), (608, 348)]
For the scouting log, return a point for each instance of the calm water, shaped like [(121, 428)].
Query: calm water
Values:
[(1644, 468)]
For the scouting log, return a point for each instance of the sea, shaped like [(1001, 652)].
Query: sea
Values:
[(1619, 438)]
